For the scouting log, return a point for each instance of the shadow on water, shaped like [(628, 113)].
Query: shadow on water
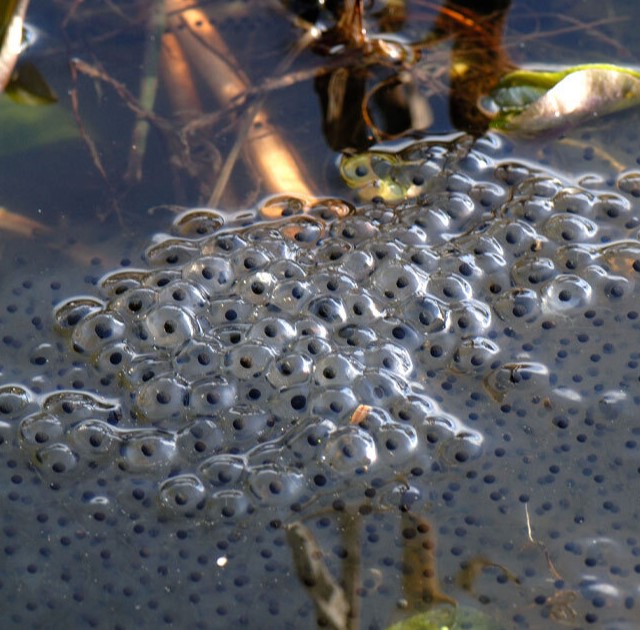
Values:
[(397, 389)]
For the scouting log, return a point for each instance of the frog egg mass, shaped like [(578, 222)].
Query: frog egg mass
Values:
[(469, 356)]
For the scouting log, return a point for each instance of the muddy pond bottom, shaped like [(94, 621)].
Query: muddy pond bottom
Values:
[(439, 400)]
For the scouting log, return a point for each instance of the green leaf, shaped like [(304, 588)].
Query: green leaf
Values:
[(448, 618), (534, 102), (28, 87), (26, 128)]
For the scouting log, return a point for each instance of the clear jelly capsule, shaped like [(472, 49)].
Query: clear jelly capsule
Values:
[(70, 313), (275, 485), (94, 438), (227, 505), (13, 400), (350, 450), (200, 439), (168, 326), (210, 395), (212, 274), (96, 331), (566, 292), (182, 495), (147, 450), (40, 429), (291, 369), (56, 458), (162, 398), (223, 471)]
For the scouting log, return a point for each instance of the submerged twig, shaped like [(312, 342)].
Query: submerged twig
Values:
[(148, 90)]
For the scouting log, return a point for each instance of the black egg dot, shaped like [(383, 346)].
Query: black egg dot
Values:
[(298, 402), (103, 330)]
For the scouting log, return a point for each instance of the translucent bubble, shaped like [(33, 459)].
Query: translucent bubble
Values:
[(291, 403), (413, 410), (350, 450), (329, 310), (437, 350), (358, 265), (227, 505), (396, 442), (223, 471), (275, 332), (145, 367), (361, 308), (313, 346), (202, 438), (517, 237), (517, 305), (68, 314), (248, 423), (213, 394), (168, 326), (392, 358), (198, 223), (334, 404), (161, 278), (197, 359), (183, 294), (471, 317), (147, 450), (570, 228), (40, 429), (134, 303), (512, 376), (287, 270), (13, 400), (182, 495), (56, 458), (162, 399), (256, 287), (275, 485), (250, 259), (629, 183), (77, 405), (532, 270), (398, 282), (335, 370), (566, 292), (290, 296), (171, 252), (449, 287), (474, 354), (307, 444), (353, 336), (95, 438), (574, 201), (113, 358), (428, 314), (289, 370), (213, 275), (97, 330), (117, 283), (488, 194), (248, 360), (376, 388)]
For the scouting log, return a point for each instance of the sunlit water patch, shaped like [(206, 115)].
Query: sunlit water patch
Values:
[(460, 370)]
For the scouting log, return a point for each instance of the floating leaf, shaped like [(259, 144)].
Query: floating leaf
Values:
[(448, 618), (533, 102)]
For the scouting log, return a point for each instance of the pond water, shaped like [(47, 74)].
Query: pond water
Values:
[(314, 410)]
